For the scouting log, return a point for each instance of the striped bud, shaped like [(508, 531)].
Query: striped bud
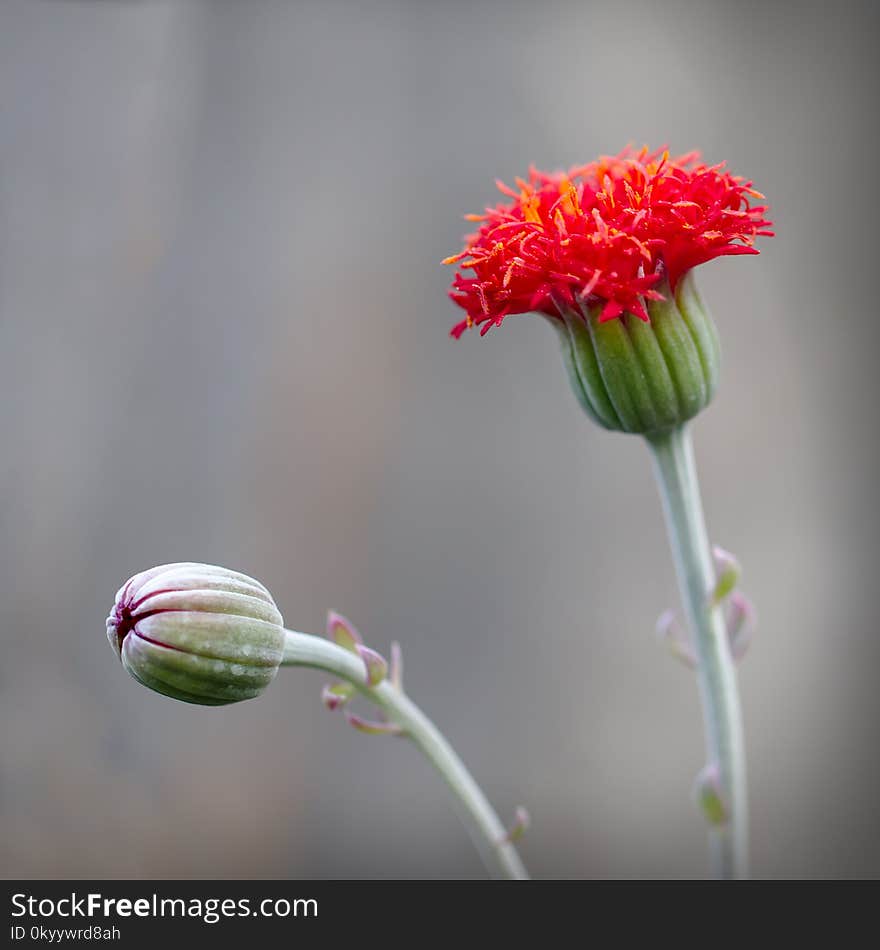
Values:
[(198, 633)]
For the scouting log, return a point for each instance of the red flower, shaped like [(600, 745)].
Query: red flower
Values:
[(608, 232)]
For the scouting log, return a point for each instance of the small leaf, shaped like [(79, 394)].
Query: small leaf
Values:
[(728, 570), (670, 634), (710, 796), (375, 664), (342, 632), (740, 619), (396, 672), (521, 824), (334, 695), (372, 728)]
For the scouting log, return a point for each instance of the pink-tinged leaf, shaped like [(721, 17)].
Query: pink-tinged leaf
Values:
[(396, 671), (335, 695), (728, 570), (671, 635), (710, 795), (375, 664), (342, 632), (372, 728), (521, 824), (741, 620)]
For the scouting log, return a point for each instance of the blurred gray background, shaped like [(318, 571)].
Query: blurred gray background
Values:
[(223, 337)]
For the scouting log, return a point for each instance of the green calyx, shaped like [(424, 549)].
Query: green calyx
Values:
[(633, 376)]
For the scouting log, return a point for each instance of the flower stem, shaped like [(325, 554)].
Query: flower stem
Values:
[(489, 834), (677, 479)]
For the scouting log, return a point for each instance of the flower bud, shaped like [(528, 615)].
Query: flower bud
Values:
[(643, 376), (198, 633)]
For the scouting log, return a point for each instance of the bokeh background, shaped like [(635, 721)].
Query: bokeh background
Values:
[(223, 337)]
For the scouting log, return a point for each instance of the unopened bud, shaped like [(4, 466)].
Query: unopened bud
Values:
[(198, 633)]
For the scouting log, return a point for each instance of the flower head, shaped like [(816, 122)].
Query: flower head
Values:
[(198, 633), (610, 234)]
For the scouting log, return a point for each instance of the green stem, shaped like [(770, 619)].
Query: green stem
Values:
[(677, 478), (490, 836)]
